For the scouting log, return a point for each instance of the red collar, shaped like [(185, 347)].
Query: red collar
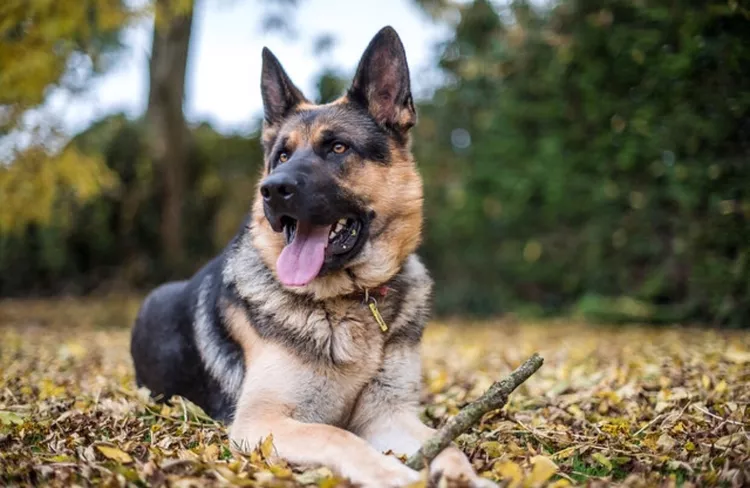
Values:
[(376, 293), (380, 291)]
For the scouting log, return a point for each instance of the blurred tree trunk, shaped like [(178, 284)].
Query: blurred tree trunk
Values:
[(168, 134)]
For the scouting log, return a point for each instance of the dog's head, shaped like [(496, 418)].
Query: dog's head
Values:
[(339, 205)]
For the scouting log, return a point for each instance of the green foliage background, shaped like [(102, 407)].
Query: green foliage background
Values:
[(591, 157)]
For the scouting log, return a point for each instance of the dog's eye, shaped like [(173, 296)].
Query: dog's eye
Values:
[(284, 157), (339, 148)]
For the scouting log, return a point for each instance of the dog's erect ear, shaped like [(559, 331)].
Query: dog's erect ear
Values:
[(382, 84), (279, 94)]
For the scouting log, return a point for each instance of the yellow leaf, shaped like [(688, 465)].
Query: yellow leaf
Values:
[(493, 449), (10, 418), (334, 482), (559, 484), (73, 350), (281, 472), (576, 411), (48, 389), (266, 448), (437, 383), (211, 453), (565, 453), (737, 356), (603, 460), (543, 470), (115, 454), (61, 458), (721, 387), (510, 472), (706, 382)]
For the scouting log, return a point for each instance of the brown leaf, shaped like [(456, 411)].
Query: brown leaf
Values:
[(730, 440), (666, 442)]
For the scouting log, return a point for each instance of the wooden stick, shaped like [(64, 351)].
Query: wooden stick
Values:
[(494, 398)]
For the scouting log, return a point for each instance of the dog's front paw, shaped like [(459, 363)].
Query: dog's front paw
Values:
[(452, 466), (389, 473)]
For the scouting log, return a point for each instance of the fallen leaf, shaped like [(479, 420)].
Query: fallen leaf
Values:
[(211, 453), (736, 356), (493, 449), (115, 454), (280, 472), (729, 440), (9, 418), (559, 484), (510, 472), (646, 376), (603, 460), (266, 447), (543, 470), (565, 453)]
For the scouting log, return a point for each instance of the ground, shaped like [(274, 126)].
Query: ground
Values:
[(627, 405)]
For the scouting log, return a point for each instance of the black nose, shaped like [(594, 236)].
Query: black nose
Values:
[(279, 189)]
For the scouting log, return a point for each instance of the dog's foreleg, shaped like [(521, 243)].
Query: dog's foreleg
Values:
[(402, 432), (386, 417), (322, 445)]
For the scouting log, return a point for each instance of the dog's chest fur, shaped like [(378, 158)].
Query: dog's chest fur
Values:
[(322, 389), (316, 355)]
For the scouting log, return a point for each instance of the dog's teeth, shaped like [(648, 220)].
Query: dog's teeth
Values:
[(338, 227), (342, 222), (331, 235)]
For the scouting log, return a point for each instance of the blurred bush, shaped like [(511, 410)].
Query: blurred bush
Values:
[(591, 152), (590, 157), (113, 241)]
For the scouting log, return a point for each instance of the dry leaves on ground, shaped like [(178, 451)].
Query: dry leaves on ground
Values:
[(628, 406)]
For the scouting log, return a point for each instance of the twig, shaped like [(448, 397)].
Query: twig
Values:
[(494, 398), (710, 414), (533, 432), (653, 421)]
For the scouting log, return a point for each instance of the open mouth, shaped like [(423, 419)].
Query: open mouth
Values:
[(342, 238), (313, 250)]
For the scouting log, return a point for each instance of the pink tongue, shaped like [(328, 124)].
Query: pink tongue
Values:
[(300, 261)]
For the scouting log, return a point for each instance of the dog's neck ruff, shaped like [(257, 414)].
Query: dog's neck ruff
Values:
[(309, 326)]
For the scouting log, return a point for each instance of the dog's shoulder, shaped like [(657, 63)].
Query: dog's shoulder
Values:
[(413, 286)]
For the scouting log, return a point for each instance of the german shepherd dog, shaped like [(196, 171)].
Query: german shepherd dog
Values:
[(308, 325)]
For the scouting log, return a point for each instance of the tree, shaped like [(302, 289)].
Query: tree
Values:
[(169, 137), (49, 48)]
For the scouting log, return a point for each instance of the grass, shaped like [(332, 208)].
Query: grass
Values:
[(628, 406)]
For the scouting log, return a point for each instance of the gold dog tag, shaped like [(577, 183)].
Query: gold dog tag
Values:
[(376, 313)]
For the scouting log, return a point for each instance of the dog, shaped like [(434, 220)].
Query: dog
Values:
[(308, 325)]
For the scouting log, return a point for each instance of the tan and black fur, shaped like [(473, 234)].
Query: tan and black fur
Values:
[(308, 363)]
